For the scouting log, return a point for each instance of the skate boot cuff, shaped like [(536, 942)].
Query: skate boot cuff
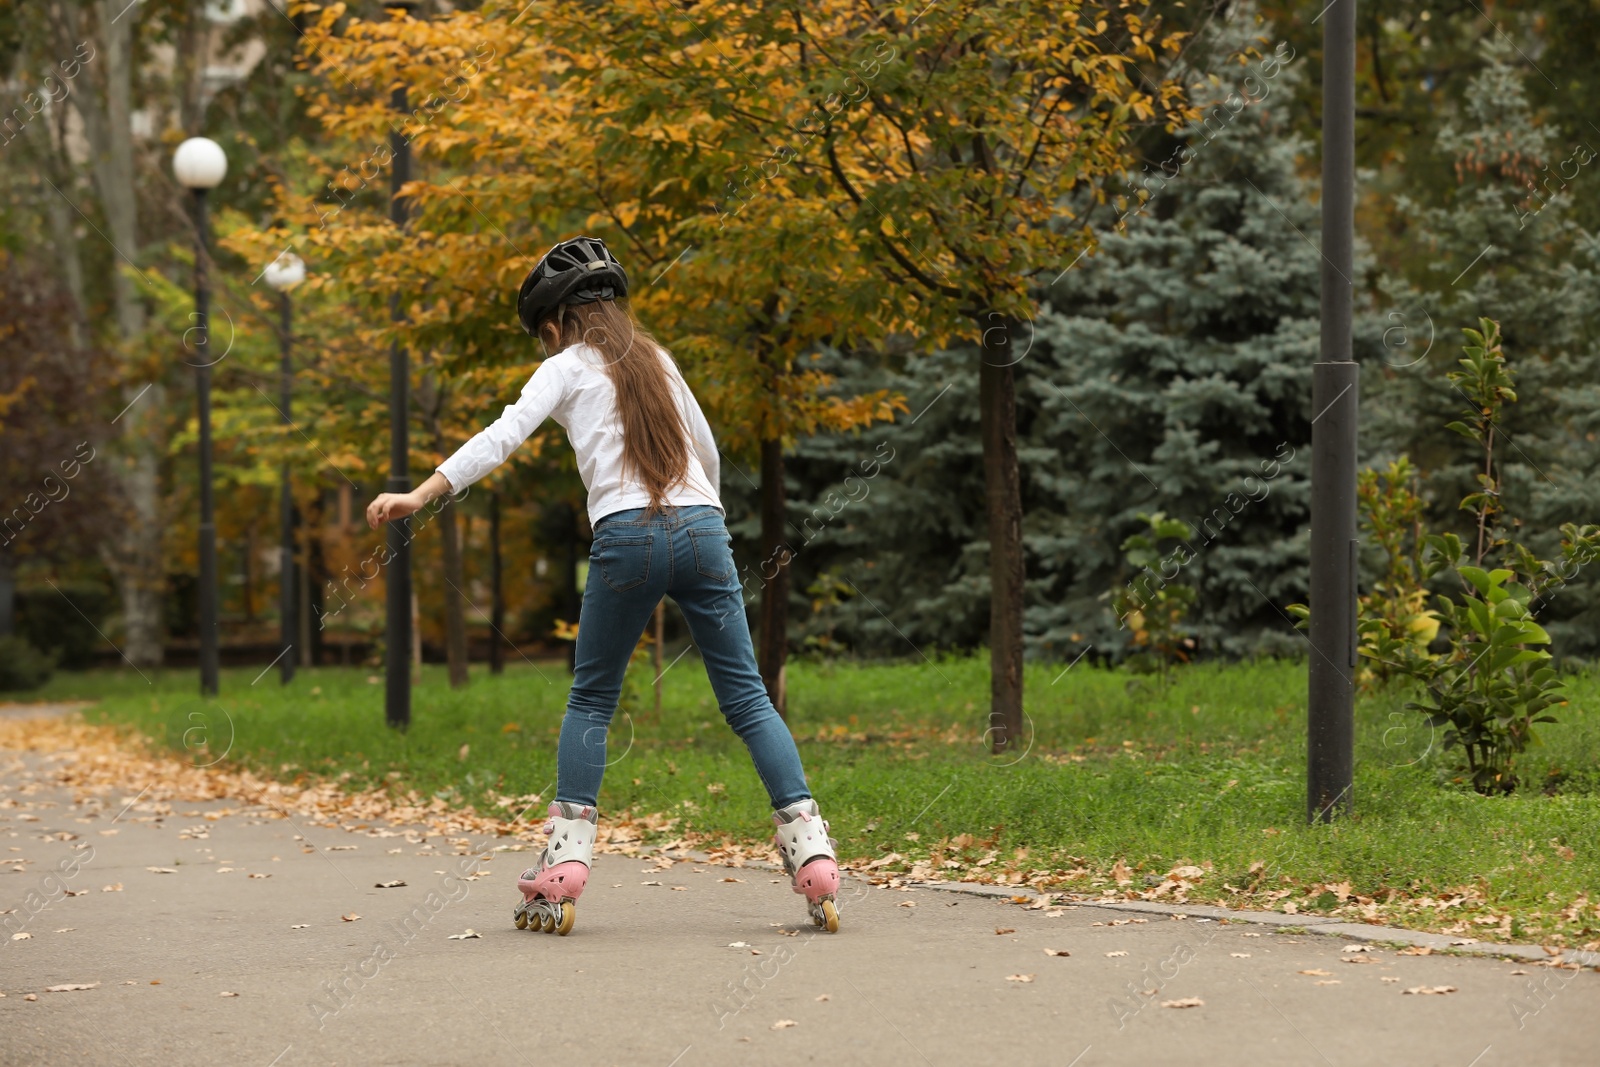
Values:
[(572, 829), (802, 836)]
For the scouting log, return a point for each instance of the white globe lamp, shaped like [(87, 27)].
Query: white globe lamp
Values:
[(199, 163), (285, 272)]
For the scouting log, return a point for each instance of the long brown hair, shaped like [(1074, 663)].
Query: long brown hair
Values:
[(655, 441)]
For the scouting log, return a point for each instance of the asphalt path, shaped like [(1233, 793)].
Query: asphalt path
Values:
[(223, 933)]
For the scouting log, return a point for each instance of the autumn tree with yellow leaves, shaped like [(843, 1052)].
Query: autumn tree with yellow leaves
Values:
[(514, 146), (955, 166), (938, 149)]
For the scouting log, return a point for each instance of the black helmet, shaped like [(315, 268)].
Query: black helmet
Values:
[(579, 270)]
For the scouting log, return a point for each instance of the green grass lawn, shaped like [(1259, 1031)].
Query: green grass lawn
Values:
[(1211, 771)]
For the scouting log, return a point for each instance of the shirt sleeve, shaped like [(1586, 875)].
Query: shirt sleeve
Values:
[(490, 447)]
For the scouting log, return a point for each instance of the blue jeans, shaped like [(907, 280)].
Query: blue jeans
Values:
[(684, 553)]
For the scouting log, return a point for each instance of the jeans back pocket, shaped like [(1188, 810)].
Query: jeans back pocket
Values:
[(624, 562), (713, 553)]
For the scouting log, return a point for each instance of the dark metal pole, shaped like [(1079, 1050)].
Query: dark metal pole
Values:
[(208, 524), (286, 570), (497, 603), (397, 697), (1335, 403)]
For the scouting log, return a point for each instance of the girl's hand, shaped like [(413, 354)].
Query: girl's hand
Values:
[(393, 506), (398, 505)]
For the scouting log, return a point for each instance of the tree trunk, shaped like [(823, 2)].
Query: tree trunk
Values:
[(303, 602), (107, 123), (497, 601), (997, 399), (137, 560), (416, 639), (247, 571), (316, 580), (455, 618), (8, 594), (104, 101), (48, 147), (775, 575), (660, 629)]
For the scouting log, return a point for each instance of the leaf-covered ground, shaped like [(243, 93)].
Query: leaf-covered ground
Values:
[(1192, 794)]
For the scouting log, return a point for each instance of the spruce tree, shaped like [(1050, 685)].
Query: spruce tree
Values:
[(1174, 376), (1170, 372)]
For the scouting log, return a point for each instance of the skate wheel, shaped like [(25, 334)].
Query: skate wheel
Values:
[(569, 915), (521, 919), (546, 923), (830, 917)]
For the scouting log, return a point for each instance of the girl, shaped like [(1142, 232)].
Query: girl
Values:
[(651, 467)]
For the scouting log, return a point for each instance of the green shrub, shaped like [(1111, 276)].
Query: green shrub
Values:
[(62, 619), (1152, 606), (1496, 681), (22, 666), (1396, 607)]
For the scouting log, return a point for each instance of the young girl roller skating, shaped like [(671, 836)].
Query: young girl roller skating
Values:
[(650, 465)]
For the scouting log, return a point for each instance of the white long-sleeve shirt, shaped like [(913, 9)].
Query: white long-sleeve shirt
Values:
[(573, 388)]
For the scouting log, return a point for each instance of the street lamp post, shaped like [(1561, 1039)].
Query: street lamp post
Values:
[(283, 274), (199, 164), (1335, 395), (397, 637)]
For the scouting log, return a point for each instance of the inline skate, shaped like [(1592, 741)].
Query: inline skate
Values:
[(808, 857), (550, 888)]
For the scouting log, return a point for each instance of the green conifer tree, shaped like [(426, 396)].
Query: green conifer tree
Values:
[(1170, 372)]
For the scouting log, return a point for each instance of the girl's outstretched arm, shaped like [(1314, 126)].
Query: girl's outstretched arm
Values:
[(398, 505)]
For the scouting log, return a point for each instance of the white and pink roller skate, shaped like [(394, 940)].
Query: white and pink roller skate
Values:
[(807, 852), (551, 888)]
